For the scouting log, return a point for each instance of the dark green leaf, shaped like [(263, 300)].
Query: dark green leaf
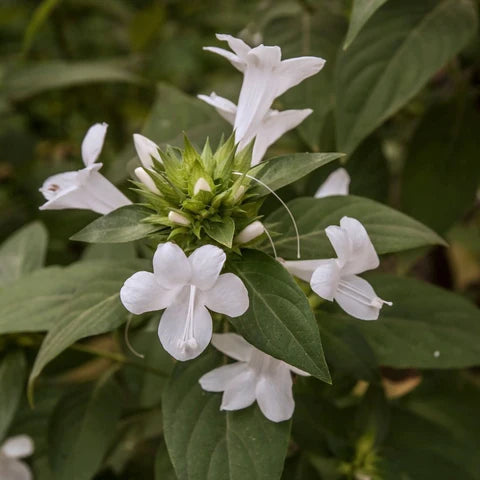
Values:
[(23, 252), (279, 320), (372, 81), (389, 230), (120, 226), (221, 232), (207, 444)]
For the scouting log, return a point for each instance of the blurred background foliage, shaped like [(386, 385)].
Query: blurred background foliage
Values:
[(137, 65)]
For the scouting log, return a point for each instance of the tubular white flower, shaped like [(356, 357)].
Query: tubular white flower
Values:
[(266, 76), (201, 185), (178, 218), (85, 189), (337, 183), (14, 449), (146, 150), (146, 179), (272, 126), (336, 278), (255, 377), (250, 232), (187, 288)]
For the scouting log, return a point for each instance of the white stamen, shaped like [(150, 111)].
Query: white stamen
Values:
[(284, 205), (179, 219), (127, 339), (350, 291), (436, 353), (188, 341), (267, 233)]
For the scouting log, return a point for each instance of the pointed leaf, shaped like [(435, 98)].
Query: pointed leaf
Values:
[(221, 232)]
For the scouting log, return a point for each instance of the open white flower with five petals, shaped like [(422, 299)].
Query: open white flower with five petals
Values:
[(256, 376), (273, 125), (11, 453), (185, 287), (85, 189), (337, 278)]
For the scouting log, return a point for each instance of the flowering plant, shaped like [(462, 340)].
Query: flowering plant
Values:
[(238, 311)]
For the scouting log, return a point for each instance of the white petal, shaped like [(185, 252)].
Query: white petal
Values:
[(250, 232), (18, 447), (178, 218), (217, 380), (274, 392), (236, 61), (141, 293), (302, 269), (180, 339), (224, 107), (201, 185), (357, 297), (146, 150), (228, 296), (104, 195), (274, 125), (11, 469), (171, 266), (238, 46), (325, 279), (146, 179), (93, 143), (241, 392), (233, 345), (297, 371), (206, 263), (363, 256), (337, 183), (294, 70)]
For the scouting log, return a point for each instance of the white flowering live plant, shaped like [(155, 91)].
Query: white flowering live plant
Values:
[(237, 288)]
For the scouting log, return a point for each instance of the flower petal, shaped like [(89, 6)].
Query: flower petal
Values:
[(357, 297), (93, 143), (171, 266), (302, 269), (146, 150), (174, 328), (141, 293), (241, 392), (206, 264), (237, 45), (294, 70), (236, 61), (217, 380), (18, 447), (228, 296), (232, 345), (337, 183), (363, 256), (224, 107), (273, 126), (11, 469), (274, 392), (104, 195), (325, 279), (297, 371)]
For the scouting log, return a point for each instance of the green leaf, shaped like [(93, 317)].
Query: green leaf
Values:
[(52, 75), (205, 443), (279, 320), (163, 466), (362, 10), (90, 309), (82, 427), (281, 171), (440, 179), (13, 373), (372, 81), (23, 252), (427, 327), (221, 232), (389, 230), (120, 226)]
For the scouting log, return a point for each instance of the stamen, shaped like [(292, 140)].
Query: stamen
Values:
[(267, 233), (282, 202), (127, 339), (351, 291), (188, 341)]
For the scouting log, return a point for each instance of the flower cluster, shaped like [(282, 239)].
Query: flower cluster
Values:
[(202, 205)]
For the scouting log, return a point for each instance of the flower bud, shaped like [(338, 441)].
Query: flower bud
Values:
[(146, 149), (250, 232), (239, 193), (178, 218), (145, 178), (201, 185)]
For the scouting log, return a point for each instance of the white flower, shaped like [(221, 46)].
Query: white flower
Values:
[(11, 467), (146, 150), (185, 287), (256, 376), (337, 183), (272, 126), (336, 278), (86, 188)]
